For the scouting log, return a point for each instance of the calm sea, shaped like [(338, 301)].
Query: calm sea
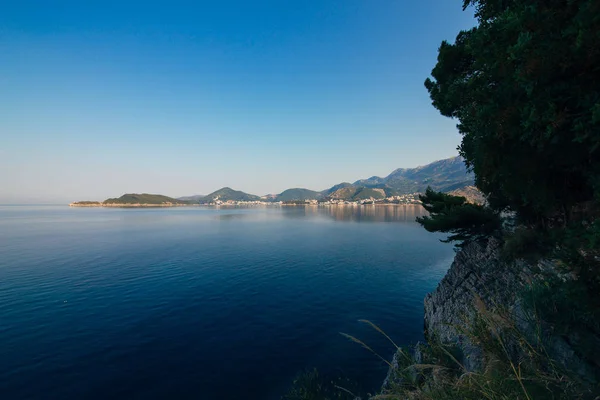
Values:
[(205, 303)]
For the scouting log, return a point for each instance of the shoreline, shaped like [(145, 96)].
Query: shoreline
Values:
[(124, 205)]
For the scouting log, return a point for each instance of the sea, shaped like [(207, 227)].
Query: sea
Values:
[(207, 302)]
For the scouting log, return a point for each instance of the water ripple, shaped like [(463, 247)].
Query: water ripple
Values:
[(152, 303)]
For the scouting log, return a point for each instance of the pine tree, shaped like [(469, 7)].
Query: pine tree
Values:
[(524, 85), (453, 214)]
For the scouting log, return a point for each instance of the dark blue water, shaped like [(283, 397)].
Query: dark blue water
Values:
[(205, 303)]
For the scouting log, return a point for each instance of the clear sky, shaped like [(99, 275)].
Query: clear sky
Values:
[(99, 98)]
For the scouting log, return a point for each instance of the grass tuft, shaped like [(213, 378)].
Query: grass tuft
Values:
[(363, 344)]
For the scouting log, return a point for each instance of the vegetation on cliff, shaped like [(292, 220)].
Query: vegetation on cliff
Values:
[(523, 86), (453, 214), (517, 366)]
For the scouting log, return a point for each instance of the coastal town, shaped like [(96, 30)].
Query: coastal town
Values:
[(412, 198)]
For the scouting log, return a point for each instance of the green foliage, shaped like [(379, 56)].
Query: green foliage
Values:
[(144, 198), (524, 87), (526, 243), (452, 214), (569, 305), (591, 238), (582, 235), (570, 308)]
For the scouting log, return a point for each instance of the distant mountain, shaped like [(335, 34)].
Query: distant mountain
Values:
[(194, 198), (269, 197), (227, 194), (298, 194), (335, 188), (374, 180), (144, 198), (344, 193), (443, 175)]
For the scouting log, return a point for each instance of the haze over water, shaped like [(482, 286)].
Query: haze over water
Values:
[(205, 303)]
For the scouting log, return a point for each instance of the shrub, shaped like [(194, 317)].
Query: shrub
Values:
[(527, 243), (464, 221)]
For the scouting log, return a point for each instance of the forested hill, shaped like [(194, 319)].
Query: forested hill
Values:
[(228, 194), (298, 194), (144, 198)]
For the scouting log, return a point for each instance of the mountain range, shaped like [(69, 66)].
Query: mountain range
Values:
[(443, 175)]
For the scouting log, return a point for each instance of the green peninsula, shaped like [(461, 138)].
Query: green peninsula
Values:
[(134, 200)]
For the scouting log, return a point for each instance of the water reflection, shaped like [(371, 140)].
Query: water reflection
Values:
[(227, 217), (369, 213), (343, 213)]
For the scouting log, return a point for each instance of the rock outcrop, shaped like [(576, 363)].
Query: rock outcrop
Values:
[(477, 271), (479, 274)]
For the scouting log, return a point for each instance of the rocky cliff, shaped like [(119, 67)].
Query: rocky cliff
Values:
[(479, 275), (476, 271)]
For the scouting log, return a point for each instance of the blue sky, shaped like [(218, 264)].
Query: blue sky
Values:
[(180, 98)]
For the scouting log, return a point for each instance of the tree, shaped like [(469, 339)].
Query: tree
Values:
[(453, 214), (524, 85)]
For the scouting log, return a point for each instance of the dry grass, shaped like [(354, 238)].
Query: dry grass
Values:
[(363, 344), (515, 367)]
